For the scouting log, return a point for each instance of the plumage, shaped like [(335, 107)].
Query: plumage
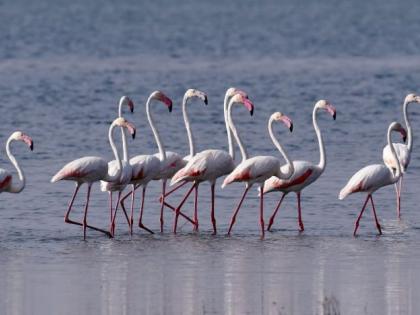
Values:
[(403, 155), (83, 170)]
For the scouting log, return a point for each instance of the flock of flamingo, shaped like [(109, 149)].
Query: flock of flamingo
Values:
[(267, 172)]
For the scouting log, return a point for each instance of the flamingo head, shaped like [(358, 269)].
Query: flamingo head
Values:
[(239, 98), (124, 123), (158, 95), (125, 101), (412, 98), (284, 119), (395, 126), (20, 136), (232, 91), (196, 93), (323, 104)]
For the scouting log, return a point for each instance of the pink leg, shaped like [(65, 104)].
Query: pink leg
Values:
[(233, 220), (178, 209), (172, 190), (301, 227), (356, 225), (213, 218), (196, 208), (111, 215), (66, 217), (180, 213), (378, 226), (115, 214), (262, 212), (270, 223), (141, 225), (162, 204), (399, 197)]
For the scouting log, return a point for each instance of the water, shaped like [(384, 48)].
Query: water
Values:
[(63, 68)]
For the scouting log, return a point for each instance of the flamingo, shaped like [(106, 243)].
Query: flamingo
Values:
[(209, 165), (151, 167), (190, 93), (305, 173), (403, 150), (374, 176), (7, 183), (259, 168), (90, 169), (126, 171)]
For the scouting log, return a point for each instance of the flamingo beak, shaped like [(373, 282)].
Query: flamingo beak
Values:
[(331, 109), (403, 134), (28, 141), (131, 129), (288, 122), (166, 100), (248, 104), (206, 101), (131, 105)]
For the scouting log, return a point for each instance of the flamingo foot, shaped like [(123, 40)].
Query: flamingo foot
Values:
[(270, 223), (142, 226)]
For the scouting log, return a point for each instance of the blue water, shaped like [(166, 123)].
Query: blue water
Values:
[(63, 67)]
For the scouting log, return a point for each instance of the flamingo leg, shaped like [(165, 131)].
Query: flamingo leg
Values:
[(262, 212), (301, 227), (213, 218), (378, 226), (111, 215), (115, 214), (141, 225), (196, 208), (398, 189), (270, 223), (66, 217), (172, 190), (356, 225), (180, 213), (162, 204), (233, 220), (178, 209)]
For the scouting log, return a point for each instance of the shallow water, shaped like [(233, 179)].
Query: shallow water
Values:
[(63, 68)]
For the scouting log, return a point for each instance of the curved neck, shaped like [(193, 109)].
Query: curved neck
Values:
[(408, 125), (154, 130), (228, 131), (188, 127), (18, 186), (235, 133), (290, 169), (123, 135), (117, 157), (322, 158), (394, 154)]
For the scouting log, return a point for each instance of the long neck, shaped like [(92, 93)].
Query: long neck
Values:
[(408, 125), (290, 169), (188, 127), (116, 155), (394, 154), (235, 133), (228, 131), (18, 185), (154, 130), (123, 135), (322, 157)]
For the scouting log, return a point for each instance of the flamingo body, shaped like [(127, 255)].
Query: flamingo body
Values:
[(145, 168), (403, 155), (87, 169), (124, 180), (5, 180), (172, 164)]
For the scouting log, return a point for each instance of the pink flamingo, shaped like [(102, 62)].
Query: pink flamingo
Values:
[(190, 93), (259, 168), (126, 171), (305, 173), (209, 165), (372, 177), (151, 167), (403, 150), (7, 182), (91, 169)]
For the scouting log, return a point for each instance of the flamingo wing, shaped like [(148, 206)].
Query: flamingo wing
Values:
[(173, 163), (196, 167), (89, 168), (144, 168), (403, 155), (5, 179), (367, 179)]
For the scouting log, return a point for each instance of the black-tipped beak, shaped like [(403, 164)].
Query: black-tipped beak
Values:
[(134, 134), (291, 128), (252, 111), (206, 101), (405, 139), (31, 146), (170, 108), (335, 115)]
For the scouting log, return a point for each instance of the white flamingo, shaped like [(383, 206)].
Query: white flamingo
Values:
[(209, 165), (126, 171), (7, 182), (372, 177), (91, 169), (305, 173), (259, 168), (190, 93), (403, 150)]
